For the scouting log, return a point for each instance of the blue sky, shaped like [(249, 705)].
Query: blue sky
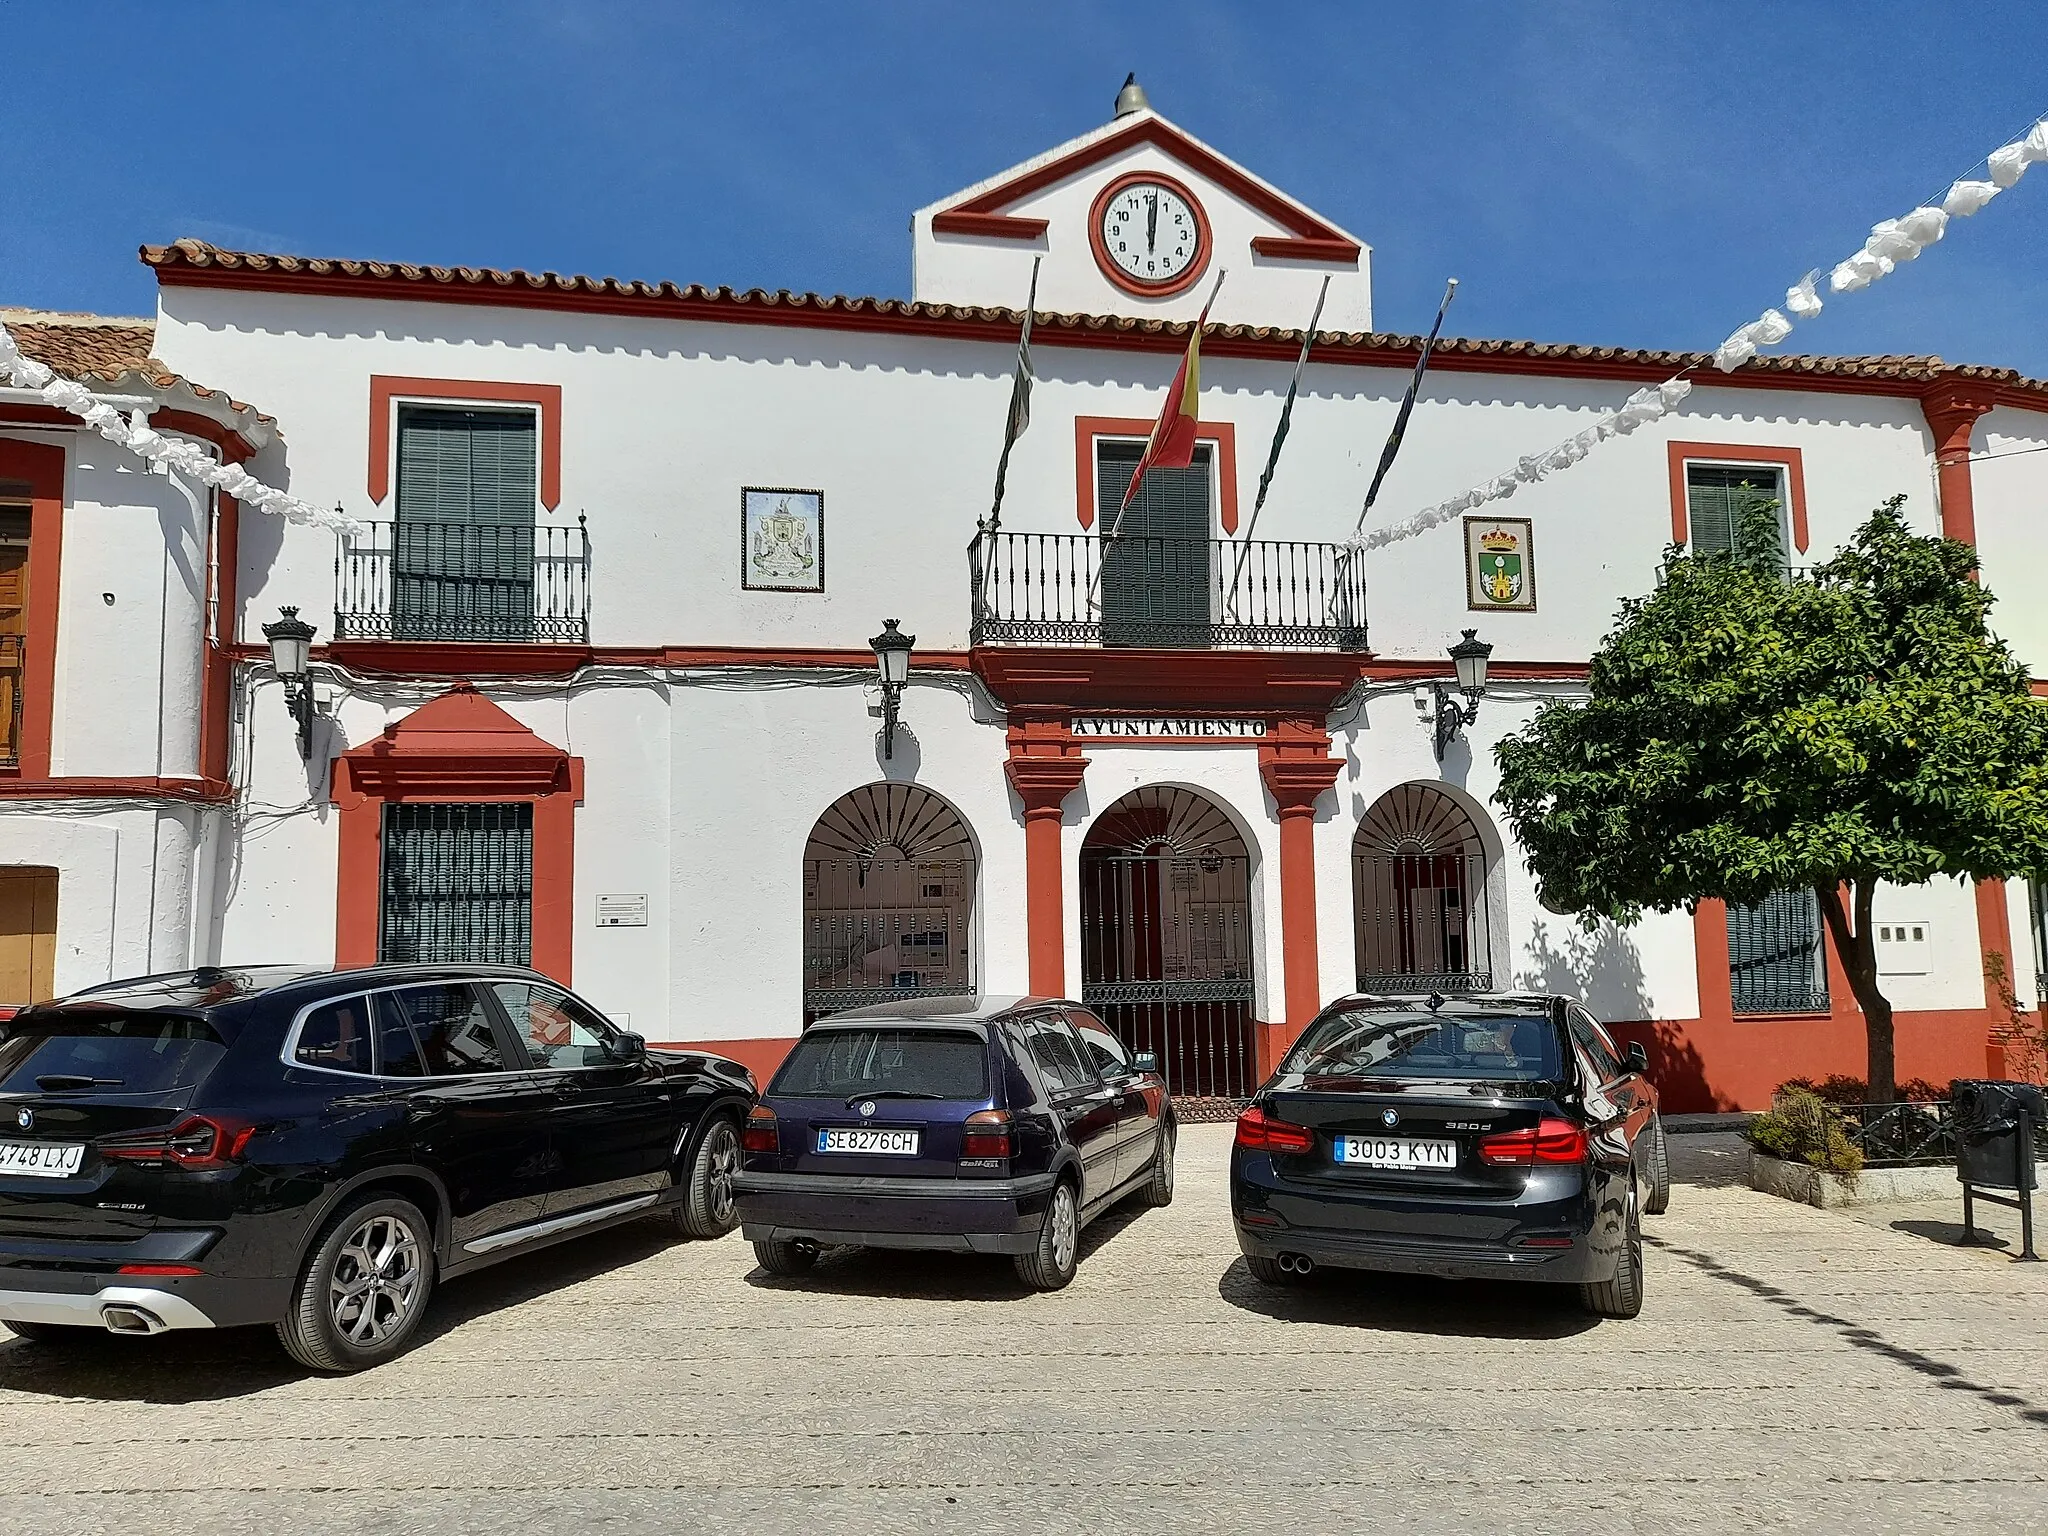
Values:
[(1647, 174)]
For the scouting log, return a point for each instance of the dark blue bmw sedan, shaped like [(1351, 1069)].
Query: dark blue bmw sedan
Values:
[(1494, 1137), (994, 1125)]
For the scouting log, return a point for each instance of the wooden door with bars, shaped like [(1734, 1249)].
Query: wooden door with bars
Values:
[(28, 934)]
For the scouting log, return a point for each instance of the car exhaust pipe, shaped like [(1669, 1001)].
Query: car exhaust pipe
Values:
[(1296, 1263), (134, 1320)]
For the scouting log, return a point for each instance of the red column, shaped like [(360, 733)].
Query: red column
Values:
[(1045, 767), (1952, 411), (1296, 764)]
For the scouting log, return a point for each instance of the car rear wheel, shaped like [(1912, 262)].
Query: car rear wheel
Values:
[(1623, 1295), (363, 1291), (786, 1258), (50, 1333), (1159, 1189), (707, 1209), (1659, 1198), (1051, 1265), (1268, 1271)]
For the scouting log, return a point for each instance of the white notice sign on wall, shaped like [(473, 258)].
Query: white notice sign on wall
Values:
[(622, 911), (1170, 728)]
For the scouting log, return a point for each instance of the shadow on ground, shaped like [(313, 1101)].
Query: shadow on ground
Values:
[(213, 1366), (1483, 1309), (924, 1275)]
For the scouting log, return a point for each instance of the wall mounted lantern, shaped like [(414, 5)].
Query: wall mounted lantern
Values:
[(1468, 657), (892, 660), (291, 641)]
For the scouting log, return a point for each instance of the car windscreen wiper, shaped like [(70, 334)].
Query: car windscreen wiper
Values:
[(890, 1093), (62, 1082)]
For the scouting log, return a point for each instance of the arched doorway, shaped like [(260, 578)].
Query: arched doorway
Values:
[(889, 877), (1166, 957), (1419, 885)]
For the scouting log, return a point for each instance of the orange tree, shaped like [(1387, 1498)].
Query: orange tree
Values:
[(1749, 731)]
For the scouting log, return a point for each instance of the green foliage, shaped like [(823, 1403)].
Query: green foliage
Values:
[(1749, 731), (1840, 1088), (1802, 1127)]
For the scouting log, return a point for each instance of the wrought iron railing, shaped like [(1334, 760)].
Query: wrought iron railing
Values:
[(419, 579), (820, 1001), (1082, 589), (1899, 1135), (13, 674)]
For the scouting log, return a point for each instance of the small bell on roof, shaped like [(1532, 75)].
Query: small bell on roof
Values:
[(1132, 97)]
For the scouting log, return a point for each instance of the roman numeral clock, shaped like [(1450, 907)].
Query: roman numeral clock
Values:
[(1150, 235)]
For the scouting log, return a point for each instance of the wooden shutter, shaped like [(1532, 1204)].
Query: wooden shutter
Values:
[(464, 542), (1156, 577), (28, 934), (1715, 496)]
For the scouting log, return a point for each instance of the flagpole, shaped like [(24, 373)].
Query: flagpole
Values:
[(1020, 403), (1130, 491), (1308, 340), (1407, 406), (1014, 423)]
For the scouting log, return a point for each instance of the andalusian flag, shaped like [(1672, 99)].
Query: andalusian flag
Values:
[(1172, 444)]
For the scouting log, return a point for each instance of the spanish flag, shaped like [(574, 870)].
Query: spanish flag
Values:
[(1172, 444)]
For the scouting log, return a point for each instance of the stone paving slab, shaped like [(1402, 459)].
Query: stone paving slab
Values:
[(1794, 1369)]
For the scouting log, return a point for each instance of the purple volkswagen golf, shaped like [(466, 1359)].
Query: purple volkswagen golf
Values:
[(971, 1125)]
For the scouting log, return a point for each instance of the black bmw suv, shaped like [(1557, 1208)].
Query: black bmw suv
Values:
[(315, 1149)]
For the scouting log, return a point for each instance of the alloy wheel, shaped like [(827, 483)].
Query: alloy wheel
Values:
[(376, 1281), (1064, 1227), (724, 1154)]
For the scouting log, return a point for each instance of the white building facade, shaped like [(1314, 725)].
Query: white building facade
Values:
[(595, 688)]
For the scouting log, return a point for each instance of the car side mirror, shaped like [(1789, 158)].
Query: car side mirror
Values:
[(1145, 1061), (1638, 1058), (629, 1047)]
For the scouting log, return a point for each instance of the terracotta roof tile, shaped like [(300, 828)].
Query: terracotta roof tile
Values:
[(108, 351), (197, 261)]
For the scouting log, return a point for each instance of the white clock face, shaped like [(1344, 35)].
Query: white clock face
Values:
[(1150, 233)]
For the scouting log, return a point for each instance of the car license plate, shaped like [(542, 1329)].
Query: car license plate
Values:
[(1395, 1152), (41, 1159), (867, 1139)]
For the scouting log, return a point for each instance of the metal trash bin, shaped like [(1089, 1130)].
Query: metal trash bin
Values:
[(1987, 1118), (1994, 1124)]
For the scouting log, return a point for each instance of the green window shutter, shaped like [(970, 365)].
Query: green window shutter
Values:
[(1776, 959), (1715, 496), (1156, 577), (463, 547), (457, 884)]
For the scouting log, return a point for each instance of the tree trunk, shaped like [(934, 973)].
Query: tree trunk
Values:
[(1857, 946)]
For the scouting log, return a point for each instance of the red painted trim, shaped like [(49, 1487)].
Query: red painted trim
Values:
[(458, 749), (1222, 434), (1952, 411), (892, 317), (1787, 459), (1226, 682), (73, 788), (457, 658), (1305, 250), (1297, 768), (386, 389), (217, 675), (1994, 936), (1044, 767), (1421, 669), (1205, 238), (988, 226), (1195, 157), (41, 467)]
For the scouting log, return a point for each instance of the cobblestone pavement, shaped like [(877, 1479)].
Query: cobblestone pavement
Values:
[(1793, 1370)]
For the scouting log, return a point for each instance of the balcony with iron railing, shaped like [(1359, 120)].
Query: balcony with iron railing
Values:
[(417, 579), (1078, 589)]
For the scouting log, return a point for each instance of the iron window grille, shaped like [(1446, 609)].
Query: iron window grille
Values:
[(1776, 956), (457, 884)]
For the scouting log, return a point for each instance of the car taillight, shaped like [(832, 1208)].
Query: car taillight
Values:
[(1548, 1141), (1260, 1132), (985, 1134), (159, 1269), (197, 1142), (762, 1134)]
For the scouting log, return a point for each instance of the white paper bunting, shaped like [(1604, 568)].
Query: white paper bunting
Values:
[(176, 453)]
